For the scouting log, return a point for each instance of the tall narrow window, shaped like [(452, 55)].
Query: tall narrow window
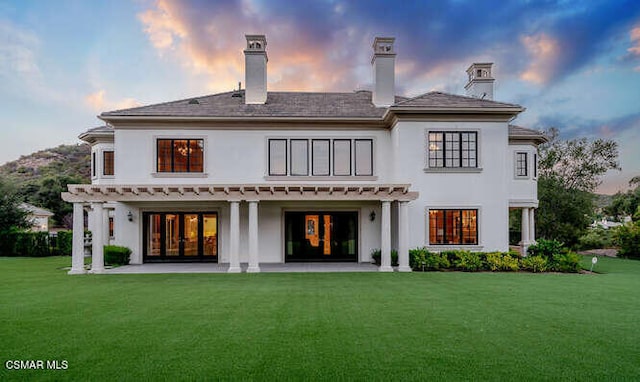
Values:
[(93, 164), (453, 226), (453, 149), (299, 157), (521, 164), (364, 157), (277, 157), (180, 155), (342, 157), (107, 162), (320, 154), (535, 165)]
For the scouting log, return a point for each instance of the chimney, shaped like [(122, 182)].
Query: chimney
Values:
[(383, 62), (480, 83), (255, 70)]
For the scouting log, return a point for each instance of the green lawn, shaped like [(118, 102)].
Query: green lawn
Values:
[(362, 326)]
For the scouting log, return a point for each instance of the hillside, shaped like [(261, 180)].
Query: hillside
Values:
[(40, 177), (70, 160)]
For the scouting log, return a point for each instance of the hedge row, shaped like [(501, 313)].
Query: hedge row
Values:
[(36, 244), (546, 256)]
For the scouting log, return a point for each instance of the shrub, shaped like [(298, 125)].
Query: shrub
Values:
[(116, 255), (595, 238), (627, 238), (420, 259), (64, 243), (534, 264), (376, 255), (25, 243), (546, 248), (468, 261), (567, 262), (502, 261)]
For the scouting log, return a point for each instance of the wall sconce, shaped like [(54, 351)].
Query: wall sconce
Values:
[(372, 216), (130, 216)]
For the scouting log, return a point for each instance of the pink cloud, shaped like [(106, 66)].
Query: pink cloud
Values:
[(98, 102), (544, 53), (635, 48)]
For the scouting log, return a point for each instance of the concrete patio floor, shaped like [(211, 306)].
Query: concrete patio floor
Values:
[(222, 268)]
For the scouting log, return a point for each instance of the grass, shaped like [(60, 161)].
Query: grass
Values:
[(358, 326)]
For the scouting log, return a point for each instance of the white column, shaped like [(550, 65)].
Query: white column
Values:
[(77, 251), (385, 255), (234, 237), (532, 226), (254, 266), (97, 250), (105, 226), (403, 237), (524, 243)]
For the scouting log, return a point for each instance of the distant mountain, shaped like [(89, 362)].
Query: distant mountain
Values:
[(70, 160), (41, 177)]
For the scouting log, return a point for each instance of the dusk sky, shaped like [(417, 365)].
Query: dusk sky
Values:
[(574, 65)]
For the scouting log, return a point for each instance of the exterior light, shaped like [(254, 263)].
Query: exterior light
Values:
[(130, 216), (372, 216)]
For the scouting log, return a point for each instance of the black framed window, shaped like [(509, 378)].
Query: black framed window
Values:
[(521, 164), (277, 157), (453, 226), (93, 164), (364, 157), (107, 163), (535, 165), (450, 149), (180, 155), (299, 157), (342, 157), (320, 157), (320, 154)]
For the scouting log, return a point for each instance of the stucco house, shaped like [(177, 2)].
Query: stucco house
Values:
[(38, 217), (253, 176)]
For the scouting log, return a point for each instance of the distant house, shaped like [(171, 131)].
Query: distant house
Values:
[(255, 176), (39, 217)]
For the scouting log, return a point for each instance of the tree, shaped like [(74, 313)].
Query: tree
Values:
[(569, 171), (625, 204), (11, 215), (46, 193)]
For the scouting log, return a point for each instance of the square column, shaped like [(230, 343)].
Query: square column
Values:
[(385, 238), (532, 226), (524, 242), (97, 240), (77, 251), (254, 266), (234, 237), (403, 237)]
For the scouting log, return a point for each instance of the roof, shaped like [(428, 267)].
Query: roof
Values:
[(523, 133), (279, 104), (36, 211), (352, 105), (451, 101), (100, 132)]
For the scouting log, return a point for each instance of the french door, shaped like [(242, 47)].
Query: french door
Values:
[(321, 236), (180, 236)]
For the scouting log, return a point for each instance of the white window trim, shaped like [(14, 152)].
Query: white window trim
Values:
[(428, 169), (445, 247), (154, 150), (515, 165)]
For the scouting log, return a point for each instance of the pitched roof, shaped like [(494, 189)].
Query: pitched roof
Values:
[(523, 133), (36, 211), (279, 104), (451, 101), (305, 105)]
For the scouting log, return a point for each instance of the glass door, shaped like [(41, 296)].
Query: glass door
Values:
[(321, 236), (180, 236)]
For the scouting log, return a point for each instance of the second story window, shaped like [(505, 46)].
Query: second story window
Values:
[(521, 165), (180, 155), (453, 149), (107, 163), (320, 157), (93, 164)]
